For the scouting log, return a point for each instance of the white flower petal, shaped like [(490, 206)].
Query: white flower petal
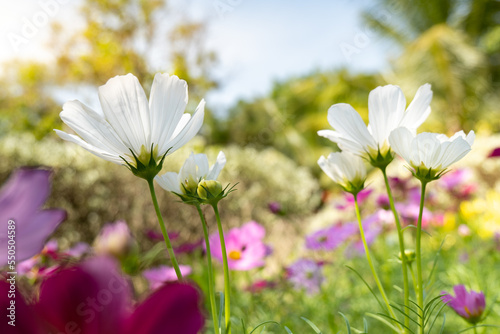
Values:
[(471, 136), (125, 106), (217, 167), (386, 106), (167, 102), (343, 144), (418, 110), (400, 140), (201, 161), (349, 124), (92, 149), (426, 149), (454, 151), (170, 182), (189, 131), (92, 128)]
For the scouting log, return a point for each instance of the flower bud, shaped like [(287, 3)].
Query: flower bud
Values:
[(409, 254), (208, 189), (114, 239)]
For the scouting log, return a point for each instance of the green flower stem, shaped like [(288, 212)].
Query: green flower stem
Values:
[(227, 309), (211, 290), (164, 230), (406, 290), (420, 290), (475, 330), (368, 257)]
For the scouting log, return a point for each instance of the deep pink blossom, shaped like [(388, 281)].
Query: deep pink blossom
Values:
[(469, 305), (495, 153), (348, 201), (21, 199), (94, 298), (244, 246)]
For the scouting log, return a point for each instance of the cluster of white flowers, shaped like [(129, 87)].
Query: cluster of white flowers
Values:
[(391, 129)]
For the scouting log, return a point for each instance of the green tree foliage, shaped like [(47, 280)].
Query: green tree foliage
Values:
[(289, 117), (455, 46), (117, 37)]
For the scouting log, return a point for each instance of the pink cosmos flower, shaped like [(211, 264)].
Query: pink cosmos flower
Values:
[(94, 298), (114, 239), (348, 201), (468, 305), (162, 274), (21, 199), (244, 246), (330, 238)]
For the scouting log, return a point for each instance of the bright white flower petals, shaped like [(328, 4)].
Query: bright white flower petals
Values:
[(129, 123), (386, 112), (430, 153), (346, 169), (194, 170)]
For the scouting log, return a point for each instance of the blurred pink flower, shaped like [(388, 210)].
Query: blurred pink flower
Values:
[(21, 199), (114, 239), (162, 274), (348, 201), (244, 246), (458, 183), (77, 250), (275, 207), (94, 298), (468, 305)]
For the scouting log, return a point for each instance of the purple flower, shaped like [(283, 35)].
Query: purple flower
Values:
[(114, 239), (275, 208), (306, 274), (329, 238), (244, 246), (21, 199), (162, 274), (468, 305), (458, 183), (94, 298)]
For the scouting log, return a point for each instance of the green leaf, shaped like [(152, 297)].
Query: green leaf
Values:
[(384, 321), (478, 326), (313, 326), (369, 288), (263, 324), (346, 323)]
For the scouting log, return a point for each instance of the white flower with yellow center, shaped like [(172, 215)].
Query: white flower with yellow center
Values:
[(346, 169), (130, 130), (194, 170), (430, 154), (386, 112)]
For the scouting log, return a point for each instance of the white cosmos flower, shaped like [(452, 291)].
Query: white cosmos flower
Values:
[(194, 170), (346, 169), (386, 112), (129, 125), (430, 154)]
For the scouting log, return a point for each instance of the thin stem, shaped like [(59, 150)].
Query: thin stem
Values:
[(164, 231), (475, 330), (420, 290), (368, 257), (211, 290), (404, 262), (227, 309)]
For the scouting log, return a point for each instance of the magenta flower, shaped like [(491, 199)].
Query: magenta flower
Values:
[(244, 246), (348, 201), (162, 274), (495, 153), (93, 298), (275, 207), (305, 274), (468, 305), (21, 199), (78, 250), (114, 239)]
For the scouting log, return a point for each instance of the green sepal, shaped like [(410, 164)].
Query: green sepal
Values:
[(149, 171)]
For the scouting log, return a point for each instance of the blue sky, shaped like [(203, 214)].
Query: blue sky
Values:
[(257, 41)]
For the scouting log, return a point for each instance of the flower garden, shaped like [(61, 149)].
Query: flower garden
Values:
[(131, 218)]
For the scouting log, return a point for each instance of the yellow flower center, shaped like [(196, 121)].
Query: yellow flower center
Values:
[(235, 255)]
